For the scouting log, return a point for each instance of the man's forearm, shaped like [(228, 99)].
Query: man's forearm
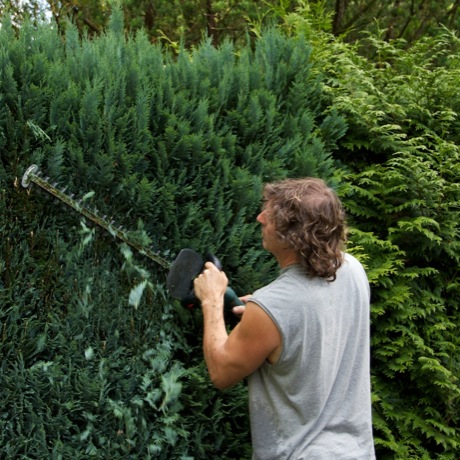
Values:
[(214, 340)]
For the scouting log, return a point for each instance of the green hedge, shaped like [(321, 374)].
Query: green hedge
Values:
[(175, 150)]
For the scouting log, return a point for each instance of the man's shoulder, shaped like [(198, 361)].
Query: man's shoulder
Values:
[(352, 261)]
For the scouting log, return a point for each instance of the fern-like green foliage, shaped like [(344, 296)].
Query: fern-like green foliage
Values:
[(400, 184)]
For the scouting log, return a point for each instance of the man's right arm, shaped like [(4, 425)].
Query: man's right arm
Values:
[(230, 358)]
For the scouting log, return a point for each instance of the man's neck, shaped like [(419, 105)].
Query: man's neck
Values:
[(287, 258)]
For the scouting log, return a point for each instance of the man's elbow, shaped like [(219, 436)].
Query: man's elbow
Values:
[(222, 382), (222, 387)]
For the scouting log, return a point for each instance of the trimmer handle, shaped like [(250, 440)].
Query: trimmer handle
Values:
[(230, 298)]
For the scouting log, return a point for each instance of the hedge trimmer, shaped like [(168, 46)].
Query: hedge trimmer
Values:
[(181, 272)]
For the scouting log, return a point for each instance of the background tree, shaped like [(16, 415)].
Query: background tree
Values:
[(165, 21), (169, 22), (407, 19)]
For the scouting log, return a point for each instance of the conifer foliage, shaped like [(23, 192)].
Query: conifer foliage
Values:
[(410, 203), (97, 361), (400, 184)]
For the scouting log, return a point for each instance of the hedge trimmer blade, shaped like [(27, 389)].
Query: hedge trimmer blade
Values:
[(33, 174)]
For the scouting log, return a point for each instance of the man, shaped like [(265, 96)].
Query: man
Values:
[(303, 340)]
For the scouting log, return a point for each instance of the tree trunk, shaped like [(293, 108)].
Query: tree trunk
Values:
[(340, 6), (211, 22)]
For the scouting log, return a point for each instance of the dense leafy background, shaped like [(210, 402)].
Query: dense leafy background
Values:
[(172, 21)]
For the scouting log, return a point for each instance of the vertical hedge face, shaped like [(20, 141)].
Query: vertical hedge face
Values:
[(176, 150)]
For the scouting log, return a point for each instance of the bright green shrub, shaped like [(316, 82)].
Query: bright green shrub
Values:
[(400, 184)]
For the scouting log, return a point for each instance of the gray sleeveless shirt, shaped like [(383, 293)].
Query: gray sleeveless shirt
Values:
[(315, 402)]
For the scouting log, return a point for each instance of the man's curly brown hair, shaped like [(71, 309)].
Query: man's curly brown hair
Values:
[(309, 217)]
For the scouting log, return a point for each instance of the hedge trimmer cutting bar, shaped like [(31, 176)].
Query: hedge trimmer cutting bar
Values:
[(32, 174)]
